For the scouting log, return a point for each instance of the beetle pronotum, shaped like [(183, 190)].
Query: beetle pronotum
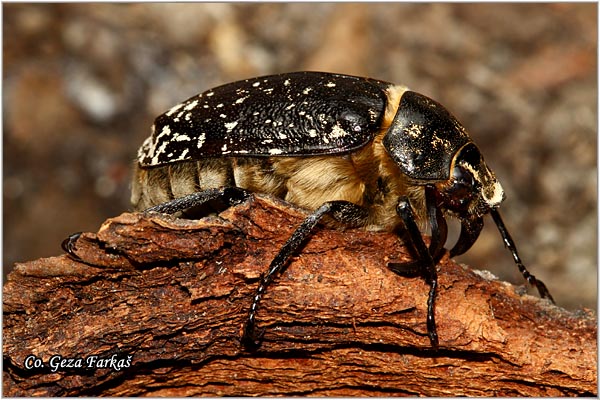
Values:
[(364, 152)]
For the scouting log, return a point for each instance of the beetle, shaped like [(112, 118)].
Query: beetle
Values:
[(356, 152)]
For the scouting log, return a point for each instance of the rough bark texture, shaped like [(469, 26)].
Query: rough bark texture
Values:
[(173, 295)]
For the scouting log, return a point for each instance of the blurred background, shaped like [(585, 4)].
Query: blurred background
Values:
[(83, 83)]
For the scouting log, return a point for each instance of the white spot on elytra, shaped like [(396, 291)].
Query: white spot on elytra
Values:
[(158, 152), (241, 100), (174, 109), (181, 138), (222, 115), (256, 84), (286, 82), (337, 132), (224, 148), (275, 151), (307, 90), (191, 106), (229, 126), (147, 148), (312, 133), (166, 131), (209, 94), (182, 155), (201, 139), (330, 84)]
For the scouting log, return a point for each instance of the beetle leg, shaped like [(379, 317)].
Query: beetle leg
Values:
[(439, 234), (231, 195), (437, 222), (510, 245), (68, 245), (425, 260), (342, 211), (469, 232)]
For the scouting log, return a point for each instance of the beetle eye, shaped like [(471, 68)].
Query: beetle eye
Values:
[(461, 191), (463, 178)]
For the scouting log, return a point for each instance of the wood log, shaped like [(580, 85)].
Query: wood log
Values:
[(155, 306)]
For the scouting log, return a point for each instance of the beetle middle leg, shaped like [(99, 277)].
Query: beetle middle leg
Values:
[(345, 212)]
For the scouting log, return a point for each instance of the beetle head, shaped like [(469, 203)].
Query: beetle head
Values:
[(471, 192)]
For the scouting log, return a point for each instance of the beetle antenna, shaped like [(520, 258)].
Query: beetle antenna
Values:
[(510, 245)]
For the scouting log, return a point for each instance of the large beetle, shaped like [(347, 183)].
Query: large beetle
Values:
[(364, 153)]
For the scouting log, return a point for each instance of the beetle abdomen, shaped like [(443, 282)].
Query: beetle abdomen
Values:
[(358, 177)]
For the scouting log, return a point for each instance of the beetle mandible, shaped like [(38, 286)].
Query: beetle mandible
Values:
[(366, 153)]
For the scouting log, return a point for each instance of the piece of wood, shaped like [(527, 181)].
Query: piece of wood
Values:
[(167, 298)]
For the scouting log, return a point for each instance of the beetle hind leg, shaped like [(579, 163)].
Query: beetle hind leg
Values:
[(68, 245), (230, 195)]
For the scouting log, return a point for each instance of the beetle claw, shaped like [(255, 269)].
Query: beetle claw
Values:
[(251, 339), (68, 245)]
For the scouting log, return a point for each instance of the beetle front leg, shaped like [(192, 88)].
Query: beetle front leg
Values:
[(437, 222), (425, 260), (439, 234), (345, 212)]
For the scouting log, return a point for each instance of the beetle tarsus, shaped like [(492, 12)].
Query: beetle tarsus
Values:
[(431, 327), (251, 339), (68, 245)]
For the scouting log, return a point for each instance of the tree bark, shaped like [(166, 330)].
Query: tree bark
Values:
[(165, 299)]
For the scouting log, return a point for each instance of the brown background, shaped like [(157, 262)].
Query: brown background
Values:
[(83, 82)]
